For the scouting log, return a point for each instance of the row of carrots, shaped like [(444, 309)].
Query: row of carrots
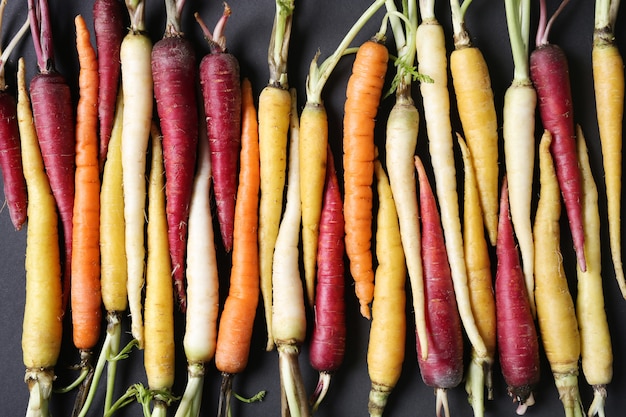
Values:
[(90, 177)]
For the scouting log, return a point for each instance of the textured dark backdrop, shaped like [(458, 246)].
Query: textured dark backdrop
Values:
[(317, 24)]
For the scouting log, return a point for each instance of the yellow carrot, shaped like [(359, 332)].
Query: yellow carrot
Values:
[(274, 113), (159, 302), (385, 351), (608, 82), (555, 308), (595, 339), (479, 280), (477, 111), (43, 313)]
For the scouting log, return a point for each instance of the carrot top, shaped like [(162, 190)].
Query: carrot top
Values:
[(217, 40), (279, 43), (543, 29), (39, 17), (319, 74), (4, 54), (136, 12), (518, 23)]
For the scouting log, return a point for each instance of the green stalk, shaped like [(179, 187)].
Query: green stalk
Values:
[(318, 75), (518, 22)]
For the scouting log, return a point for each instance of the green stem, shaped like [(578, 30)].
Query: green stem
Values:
[(291, 381), (427, 10), (40, 389), (613, 13), (189, 405), (136, 12), (518, 22), (319, 75), (114, 335), (279, 43)]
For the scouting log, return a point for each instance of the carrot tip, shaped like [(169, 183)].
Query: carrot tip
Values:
[(365, 311)]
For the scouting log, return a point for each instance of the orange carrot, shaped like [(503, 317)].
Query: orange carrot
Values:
[(85, 292), (236, 323), (362, 98)]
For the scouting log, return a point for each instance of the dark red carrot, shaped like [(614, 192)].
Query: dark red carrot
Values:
[(442, 368), (219, 78), (549, 73), (53, 115), (10, 149), (108, 24), (327, 345), (174, 75), (518, 346)]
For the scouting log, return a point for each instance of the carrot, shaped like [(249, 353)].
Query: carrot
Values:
[(313, 143), (288, 312), (54, 122), (43, 309), (363, 95), (385, 349), (479, 280), (595, 339), (112, 265), (237, 320), (550, 75), (608, 81), (108, 24), (221, 89), (442, 369), (432, 61), (85, 292), (200, 337), (137, 87), (556, 315), (174, 76), (400, 144), (10, 153), (159, 304), (518, 345), (518, 132), (328, 339), (477, 111), (274, 118)]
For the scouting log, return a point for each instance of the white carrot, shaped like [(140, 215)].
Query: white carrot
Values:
[(518, 130), (288, 305), (432, 62), (135, 57)]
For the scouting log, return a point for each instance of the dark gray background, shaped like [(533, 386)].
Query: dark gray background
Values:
[(317, 24)]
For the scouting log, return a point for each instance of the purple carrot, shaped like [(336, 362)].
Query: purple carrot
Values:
[(518, 345), (549, 73), (327, 346), (108, 24), (53, 115), (219, 78), (442, 368), (174, 75), (10, 149)]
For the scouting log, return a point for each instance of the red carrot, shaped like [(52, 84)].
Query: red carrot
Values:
[(517, 336), (328, 341), (219, 78), (10, 148), (108, 24), (550, 74), (174, 74), (443, 367), (54, 122)]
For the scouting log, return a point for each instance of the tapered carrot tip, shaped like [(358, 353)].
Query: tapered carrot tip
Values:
[(365, 311), (378, 399)]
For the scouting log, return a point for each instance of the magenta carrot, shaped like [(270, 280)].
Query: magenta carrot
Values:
[(174, 75), (108, 24), (549, 73), (219, 79), (54, 121), (518, 345), (10, 148), (443, 367), (327, 345)]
